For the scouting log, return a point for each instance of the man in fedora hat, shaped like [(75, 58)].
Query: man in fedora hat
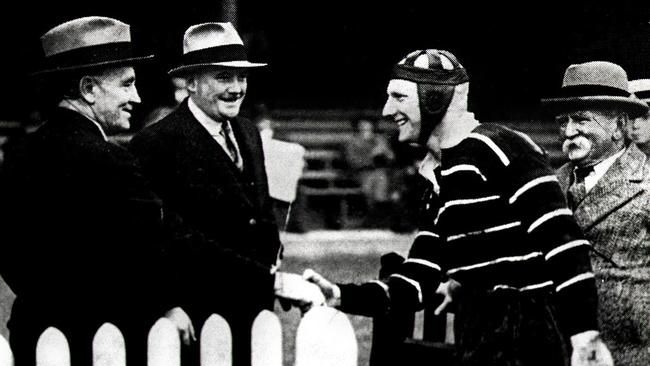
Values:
[(638, 129), (494, 221), (82, 231), (608, 187), (207, 164)]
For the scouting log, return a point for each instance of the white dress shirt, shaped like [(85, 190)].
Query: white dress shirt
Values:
[(599, 170), (215, 129)]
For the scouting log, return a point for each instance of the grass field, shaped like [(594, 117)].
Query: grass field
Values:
[(343, 256)]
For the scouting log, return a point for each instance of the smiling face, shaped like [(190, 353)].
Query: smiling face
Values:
[(219, 92), (589, 136), (115, 95), (403, 107)]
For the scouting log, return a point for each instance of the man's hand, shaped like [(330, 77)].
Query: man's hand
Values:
[(589, 350), (331, 291), (183, 323), (448, 289)]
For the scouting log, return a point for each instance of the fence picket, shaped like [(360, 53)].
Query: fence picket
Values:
[(108, 346), (52, 349), (6, 356), (164, 344), (216, 342), (325, 337), (266, 340)]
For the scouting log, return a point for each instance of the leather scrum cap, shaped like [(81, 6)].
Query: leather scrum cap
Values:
[(212, 44), (595, 84), (87, 42)]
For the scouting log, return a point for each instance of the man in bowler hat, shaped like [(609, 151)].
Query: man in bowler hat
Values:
[(207, 164), (84, 233), (607, 185), (495, 221)]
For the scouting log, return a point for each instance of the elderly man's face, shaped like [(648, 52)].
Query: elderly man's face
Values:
[(219, 92), (403, 106), (114, 98), (589, 136), (638, 129)]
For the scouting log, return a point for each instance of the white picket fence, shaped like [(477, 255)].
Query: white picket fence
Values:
[(324, 337)]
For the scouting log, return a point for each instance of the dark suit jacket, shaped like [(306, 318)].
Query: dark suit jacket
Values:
[(81, 243), (196, 179)]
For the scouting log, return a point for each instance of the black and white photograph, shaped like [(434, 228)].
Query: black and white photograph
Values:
[(280, 183)]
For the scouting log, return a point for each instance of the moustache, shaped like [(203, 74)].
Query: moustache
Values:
[(578, 142)]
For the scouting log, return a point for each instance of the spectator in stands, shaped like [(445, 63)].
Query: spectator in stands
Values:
[(82, 232), (498, 225), (207, 164), (369, 156), (608, 186), (638, 129)]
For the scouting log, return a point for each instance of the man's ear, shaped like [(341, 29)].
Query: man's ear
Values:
[(87, 89), (621, 122), (190, 84)]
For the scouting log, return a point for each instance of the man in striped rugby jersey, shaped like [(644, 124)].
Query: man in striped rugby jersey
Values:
[(495, 221), (608, 186)]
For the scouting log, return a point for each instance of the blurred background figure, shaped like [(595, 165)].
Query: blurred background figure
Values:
[(369, 156), (638, 129)]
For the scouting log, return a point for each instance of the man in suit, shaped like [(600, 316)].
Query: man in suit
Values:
[(207, 165), (608, 186), (82, 232), (638, 129)]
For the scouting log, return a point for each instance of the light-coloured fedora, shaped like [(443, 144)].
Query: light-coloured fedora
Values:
[(595, 84), (212, 44), (87, 42), (641, 88)]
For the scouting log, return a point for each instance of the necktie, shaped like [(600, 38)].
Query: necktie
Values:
[(577, 190), (226, 133)]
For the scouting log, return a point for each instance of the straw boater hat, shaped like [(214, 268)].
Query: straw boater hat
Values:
[(212, 44), (641, 88), (596, 84), (87, 43)]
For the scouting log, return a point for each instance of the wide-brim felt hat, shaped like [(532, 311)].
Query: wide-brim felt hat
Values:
[(595, 85), (212, 45), (86, 43)]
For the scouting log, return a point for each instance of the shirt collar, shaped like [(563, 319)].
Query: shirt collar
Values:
[(604, 165), (427, 168), (213, 127)]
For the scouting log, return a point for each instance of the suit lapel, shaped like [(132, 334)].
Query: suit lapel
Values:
[(619, 185), (212, 154)]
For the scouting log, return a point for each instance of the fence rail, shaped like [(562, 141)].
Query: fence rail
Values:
[(324, 337)]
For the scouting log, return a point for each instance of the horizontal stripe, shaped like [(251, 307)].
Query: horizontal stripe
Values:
[(549, 215), (412, 283), (423, 262), (468, 201), (530, 141), (502, 156), (383, 286), (521, 258), (525, 288), (463, 168), (488, 230), (531, 184), (427, 233), (578, 278), (567, 246)]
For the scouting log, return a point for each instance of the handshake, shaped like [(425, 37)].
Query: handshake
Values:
[(306, 291)]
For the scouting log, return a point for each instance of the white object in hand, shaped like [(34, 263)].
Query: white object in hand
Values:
[(293, 287)]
